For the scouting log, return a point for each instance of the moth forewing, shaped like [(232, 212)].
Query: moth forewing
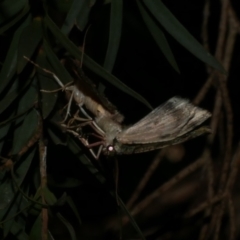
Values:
[(167, 122), (139, 148)]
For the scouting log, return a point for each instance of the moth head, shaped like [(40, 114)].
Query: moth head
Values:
[(109, 150)]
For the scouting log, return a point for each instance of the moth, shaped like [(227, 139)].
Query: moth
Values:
[(173, 122)]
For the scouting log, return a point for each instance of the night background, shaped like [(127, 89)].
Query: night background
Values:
[(51, 186)]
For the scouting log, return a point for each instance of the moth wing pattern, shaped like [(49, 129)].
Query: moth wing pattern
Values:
[(170, 120), (139, 148)]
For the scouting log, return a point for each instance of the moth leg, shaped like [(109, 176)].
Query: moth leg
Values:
[(68, 109), (85, 141), (58, 89), (49, 72), (90, 146), (95, 126), (80, 119)]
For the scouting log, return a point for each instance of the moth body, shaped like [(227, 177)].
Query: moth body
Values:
[(173, 122)]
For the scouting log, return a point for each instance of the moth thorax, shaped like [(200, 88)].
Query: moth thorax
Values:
[(110, 127), (79, 97)]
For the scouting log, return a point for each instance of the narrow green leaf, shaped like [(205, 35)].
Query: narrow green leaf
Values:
[(28, 45), (29, 98), (13, 94), (24, 133), (24, 105), (68, 225), (76, 7), (59, 69), (133, 222), (10, 8), (57, 136), (77, 151), (6, 195), (48, 100), (35, 209), (180, 33), (36, 230), (60, 6), (15, 201), (18, 231), (74, 209), (49, 196), (47, 83), (158, 36), (114, 34), (22, 167), (18, 17), (3, 132), (92, 65), (83, 15), (36, 233), (9, 65), (9, 213)]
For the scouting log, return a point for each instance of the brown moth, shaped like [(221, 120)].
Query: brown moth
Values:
[(173, 122)]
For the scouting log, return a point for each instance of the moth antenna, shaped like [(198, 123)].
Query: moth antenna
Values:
[(45, 70), (84, 43)]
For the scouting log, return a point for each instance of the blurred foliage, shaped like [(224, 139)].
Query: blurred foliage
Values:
[(48, 32)]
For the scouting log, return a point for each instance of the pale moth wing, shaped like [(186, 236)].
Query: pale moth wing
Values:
[(139, 148), (169, 121)]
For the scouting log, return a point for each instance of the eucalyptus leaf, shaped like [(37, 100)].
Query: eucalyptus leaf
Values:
[(3, 132), (59, 69), (48, 99), (35, 233), (158, 36), (18, 231), (28, 45), (132, 220), (16, 19), (7, 193), (35, 208), (10, 62), (10, 8), (74, 209), (76, 150), (83, 14), (76, 7), (49, 196), (9, 214), (24, 133), (68, 226), (28, 98), (180, 33), (12, 95), (57, 136), (7, 187), (92, 65), (114, 34)]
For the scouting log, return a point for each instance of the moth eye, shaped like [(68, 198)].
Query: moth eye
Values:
[(110, 148)]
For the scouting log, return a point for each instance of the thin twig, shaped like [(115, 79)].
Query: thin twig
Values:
[(43, 173), (146, 178), (184, 173)]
